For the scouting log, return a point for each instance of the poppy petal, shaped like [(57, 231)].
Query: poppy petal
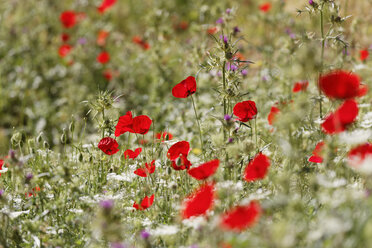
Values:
[(205, 170), (185, 88), (241, 217), (199, 202), (257, 168)]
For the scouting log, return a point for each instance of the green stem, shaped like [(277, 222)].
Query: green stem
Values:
[(197, 120), (321, 57), (103, 128)]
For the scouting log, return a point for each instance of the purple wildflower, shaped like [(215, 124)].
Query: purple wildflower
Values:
[(236, 29), (82, 41), (220, 21), (145, 234), (107, 204)]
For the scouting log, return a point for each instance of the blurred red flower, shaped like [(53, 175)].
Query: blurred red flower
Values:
[(145, 203), (364, 54), (182, 25), (300, 86), (1, 165), (107, 74), (185, 88), (32, 192), (257, 168), (245, 110), (108, 145), (68, 18), (241, 217), (338, 121), (205, 170), (132, 154), (105, 5), (101, 38), (212, 30), (103, 57), (317, 153), (358, 154), (144, 172), (139, 41), (265, 7), (199, 202), (64, 50), (65, 37), (272, 115), (163, 136), (341, 85)]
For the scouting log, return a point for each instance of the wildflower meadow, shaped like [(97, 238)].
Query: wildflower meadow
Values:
[(185, 123)]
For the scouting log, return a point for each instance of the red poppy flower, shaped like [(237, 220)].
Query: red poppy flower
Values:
[(139, 41), (317, 153), (272, 115), (205, 170), (64, 50), (65, 37), (265, 7), (360, 158), (339, 120), (132, 154), (212, 30), (181, 147), (341, 85), (163, 136), (108, 145), (199, 202), (68, 19), (364, 54), (1, 165), (125, 124), (33, 192), (101, 38), (183, 25), (245, 110), (300, 86), (143, 141), (181, 163), (107, 74), (241, 217), (141, 124), (103, 57), (145, 203), (144, 172), (257, 168), (105, 5), (185, 88)]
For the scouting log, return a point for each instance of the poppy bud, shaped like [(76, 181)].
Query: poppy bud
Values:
[(46, 145), (31, 143), (71, 127), (39, 138), (90, 159), (63, 137), (16, 139), (80, 158), (228, 54)]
